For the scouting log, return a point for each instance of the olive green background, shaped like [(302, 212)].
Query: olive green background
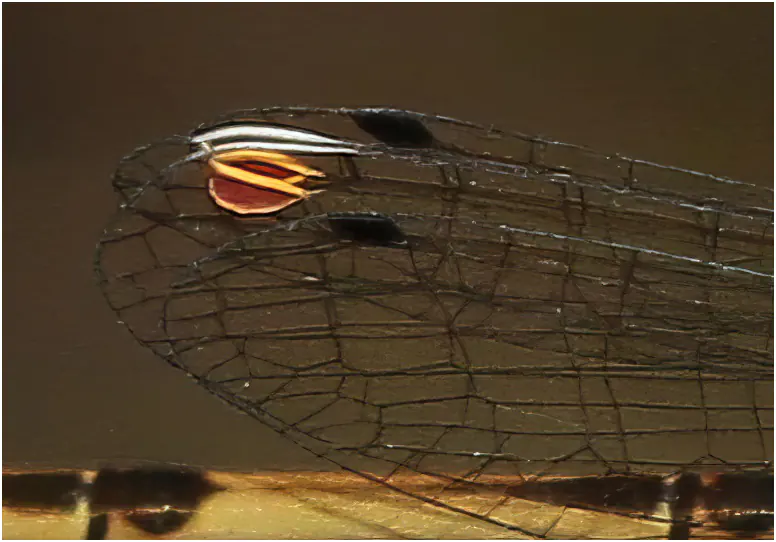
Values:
[(688, 85)]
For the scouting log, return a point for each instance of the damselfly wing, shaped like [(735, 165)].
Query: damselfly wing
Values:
[(451, 310)]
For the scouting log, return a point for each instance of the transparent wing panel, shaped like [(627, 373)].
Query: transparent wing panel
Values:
[(460, 308)]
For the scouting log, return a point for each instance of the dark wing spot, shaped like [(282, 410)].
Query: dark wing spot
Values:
[(367, 228), (395, 128)]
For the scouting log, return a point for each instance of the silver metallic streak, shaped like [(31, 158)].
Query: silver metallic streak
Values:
[(273, 138)]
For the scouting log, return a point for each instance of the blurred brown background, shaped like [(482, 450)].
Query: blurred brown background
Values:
[(688, 85)]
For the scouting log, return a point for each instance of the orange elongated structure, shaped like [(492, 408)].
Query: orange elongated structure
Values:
[(279, 160), (255, 182)]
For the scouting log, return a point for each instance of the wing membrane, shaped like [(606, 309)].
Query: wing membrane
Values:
[(554, 313)]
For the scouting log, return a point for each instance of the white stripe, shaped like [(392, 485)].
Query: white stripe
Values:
[(268, 133)]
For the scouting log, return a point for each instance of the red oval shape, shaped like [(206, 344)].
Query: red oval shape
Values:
[(245, 199)]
